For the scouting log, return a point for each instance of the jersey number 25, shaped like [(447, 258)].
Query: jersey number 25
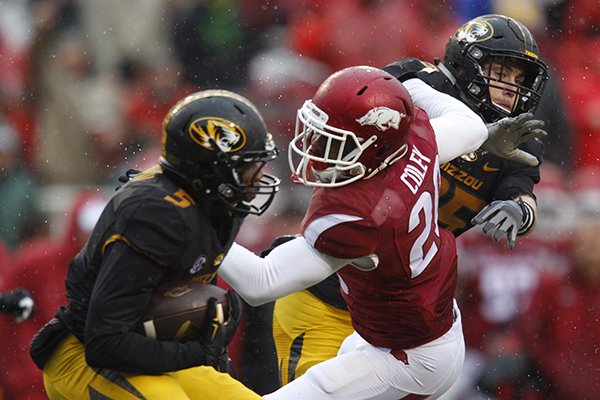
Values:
[(425, 210)]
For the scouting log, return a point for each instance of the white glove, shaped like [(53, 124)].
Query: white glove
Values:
[(501, 218), (505, 135)]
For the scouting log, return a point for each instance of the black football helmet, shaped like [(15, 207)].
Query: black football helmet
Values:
[(501, 40), (208, 138)]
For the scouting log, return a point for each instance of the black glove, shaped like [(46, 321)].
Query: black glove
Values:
[(508, 133), (218, 333), (278, 241), (17, 302), (501, 218)]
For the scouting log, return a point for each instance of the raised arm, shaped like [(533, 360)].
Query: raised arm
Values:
[(458, 130)]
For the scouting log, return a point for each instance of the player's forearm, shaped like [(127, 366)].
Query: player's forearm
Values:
[(134, 353), (293, 266), (457, 128), (121, 294)]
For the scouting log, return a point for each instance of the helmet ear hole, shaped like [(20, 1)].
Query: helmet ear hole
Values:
[(361, 91)]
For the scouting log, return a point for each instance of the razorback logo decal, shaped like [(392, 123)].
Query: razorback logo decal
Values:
[(383, 118)]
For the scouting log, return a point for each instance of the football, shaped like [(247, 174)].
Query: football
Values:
[(177, 310)]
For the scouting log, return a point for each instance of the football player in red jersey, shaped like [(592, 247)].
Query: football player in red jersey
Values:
[(373, 158), (491, 64), (174, 221)]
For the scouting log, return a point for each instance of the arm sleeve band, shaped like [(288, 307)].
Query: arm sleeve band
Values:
[(293, 266), (528, 218), (458, 130)]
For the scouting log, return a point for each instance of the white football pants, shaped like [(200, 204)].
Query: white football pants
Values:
[(361, 371)]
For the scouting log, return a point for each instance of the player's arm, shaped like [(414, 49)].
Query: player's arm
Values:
[(121, 294), (132, 266), (503, 136), (518, 185), (514, 209), (457, 128), (292, 266)]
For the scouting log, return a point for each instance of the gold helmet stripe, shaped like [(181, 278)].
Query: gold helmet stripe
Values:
[(527, 36), (202, 95)]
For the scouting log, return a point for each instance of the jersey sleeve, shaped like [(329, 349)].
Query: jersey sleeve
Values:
[(351, 239), (519, 179), (153, 227), (409, 68), (405, 69), (448, 117)]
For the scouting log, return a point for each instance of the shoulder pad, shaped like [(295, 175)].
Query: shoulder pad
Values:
[(153, 226), (408, 68)]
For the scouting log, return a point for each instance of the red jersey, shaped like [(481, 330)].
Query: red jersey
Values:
[(407, 299)]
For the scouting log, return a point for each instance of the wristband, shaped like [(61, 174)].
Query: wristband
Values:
[(528, 217)]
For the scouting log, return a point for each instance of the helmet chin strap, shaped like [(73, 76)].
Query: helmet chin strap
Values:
[(446, 72), (391, 159), (328, 174)]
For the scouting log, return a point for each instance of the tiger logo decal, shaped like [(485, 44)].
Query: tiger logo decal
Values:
[(475, 31), (209, 132)]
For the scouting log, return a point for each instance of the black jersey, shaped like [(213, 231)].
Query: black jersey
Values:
[(468, 183), (471, 181), (150, 232)]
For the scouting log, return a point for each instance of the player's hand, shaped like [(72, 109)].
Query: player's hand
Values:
[(19, 303), (219, 331), (501, 218), (278, 241), (505, 135)]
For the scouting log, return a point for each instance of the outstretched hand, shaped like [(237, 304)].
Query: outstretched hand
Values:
[(505, 135), (501, 218)]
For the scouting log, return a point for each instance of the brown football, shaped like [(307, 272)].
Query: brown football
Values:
[(177, 310)]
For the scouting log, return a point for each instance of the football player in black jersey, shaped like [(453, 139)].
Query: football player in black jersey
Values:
[(174, 221), (492, 64)]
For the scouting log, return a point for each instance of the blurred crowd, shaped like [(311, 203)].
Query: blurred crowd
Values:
[(84, 86)]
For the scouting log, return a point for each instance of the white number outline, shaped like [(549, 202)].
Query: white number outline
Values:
[(418, 258)]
